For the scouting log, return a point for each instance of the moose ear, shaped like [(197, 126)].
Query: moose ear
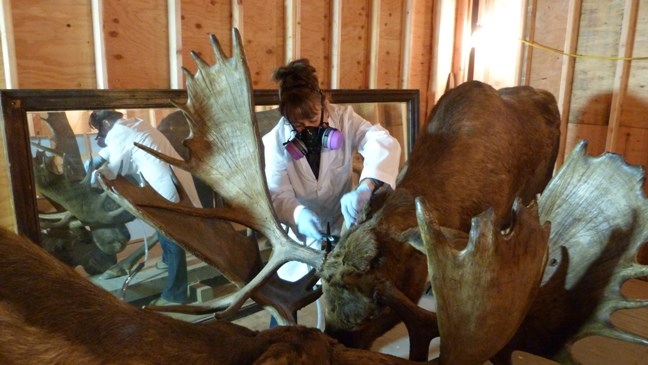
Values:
[(413, 237)]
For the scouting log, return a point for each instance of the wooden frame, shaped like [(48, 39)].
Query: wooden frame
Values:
[(17, 103)]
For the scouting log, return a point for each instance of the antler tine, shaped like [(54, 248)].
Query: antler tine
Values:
[(428, 225), (47, 149), (202, 65), (168, 159), (280, 255), (188, 76), (237, 48), (219, 55), (63, 219), (117, 212)]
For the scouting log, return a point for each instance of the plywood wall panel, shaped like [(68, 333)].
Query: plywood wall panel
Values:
[(420, 62), (550, 25), (354, 45), (634, 106), (264, 36), (136, 41), (390, 30), (593, 134), (600, 31), (200, 19), (53, 43), (315, 37), (633, 145)]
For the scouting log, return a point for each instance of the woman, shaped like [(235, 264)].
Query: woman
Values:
[(308, 157), (117, 135)]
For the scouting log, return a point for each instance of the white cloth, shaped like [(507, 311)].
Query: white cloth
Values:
[(124, 158), (293, 185)]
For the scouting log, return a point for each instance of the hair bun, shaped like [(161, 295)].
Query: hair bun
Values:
[(296, 74)]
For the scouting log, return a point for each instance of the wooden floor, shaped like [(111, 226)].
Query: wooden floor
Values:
[(589, 351)]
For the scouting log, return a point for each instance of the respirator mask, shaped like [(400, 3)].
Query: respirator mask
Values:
[(313, 139), (310, 140)]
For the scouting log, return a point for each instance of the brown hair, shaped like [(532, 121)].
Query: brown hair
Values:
[(97, 117), (299, 92)]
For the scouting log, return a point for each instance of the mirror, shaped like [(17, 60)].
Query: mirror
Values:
[(49, 141)]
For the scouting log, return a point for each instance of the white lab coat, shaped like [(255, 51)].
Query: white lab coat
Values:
[(124, 158), (293, 185)]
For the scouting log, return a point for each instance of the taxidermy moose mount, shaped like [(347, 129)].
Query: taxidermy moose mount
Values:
[(536, 276)]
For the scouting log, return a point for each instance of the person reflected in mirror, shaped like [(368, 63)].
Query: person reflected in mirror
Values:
[(117, 135), (308, 161)]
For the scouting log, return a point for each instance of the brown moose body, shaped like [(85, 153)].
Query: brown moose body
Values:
[(49, 314), (481, 149)]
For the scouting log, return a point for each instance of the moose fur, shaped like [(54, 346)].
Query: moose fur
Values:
[(49, 314), (481, 149)]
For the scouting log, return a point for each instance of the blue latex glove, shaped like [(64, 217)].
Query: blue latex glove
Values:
[(354, 202), (309, 224), (95, 162)]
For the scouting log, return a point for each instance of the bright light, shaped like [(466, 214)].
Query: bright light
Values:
[(496, 43)]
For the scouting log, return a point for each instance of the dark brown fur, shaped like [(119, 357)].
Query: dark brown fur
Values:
[(49, 314), (481, 148)]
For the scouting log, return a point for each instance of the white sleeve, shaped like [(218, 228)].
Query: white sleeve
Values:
[(156, 172), (114, 161), (281, 190), (381, 151), (104, 153)]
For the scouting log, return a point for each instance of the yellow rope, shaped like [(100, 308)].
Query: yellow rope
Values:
[(575, 55)]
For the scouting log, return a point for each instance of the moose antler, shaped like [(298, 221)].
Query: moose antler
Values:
[(599, 222), (224, 152), (484, 290)]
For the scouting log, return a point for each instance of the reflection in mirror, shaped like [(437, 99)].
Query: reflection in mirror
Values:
[(393, 116), (80, 224), (50, 143)]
